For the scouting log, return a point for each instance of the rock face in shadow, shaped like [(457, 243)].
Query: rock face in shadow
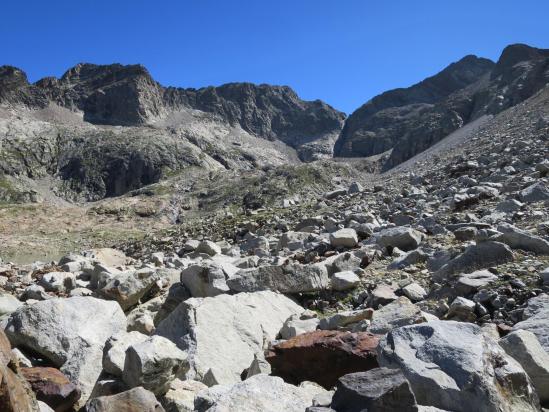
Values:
[(408, 121)]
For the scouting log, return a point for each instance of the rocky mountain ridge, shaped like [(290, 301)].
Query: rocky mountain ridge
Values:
[(425, 289), (408, 121), (102, 131), (120, 95)]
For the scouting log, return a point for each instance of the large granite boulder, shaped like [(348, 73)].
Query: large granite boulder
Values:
[(404, 238), (222, 334), (71, 333), (134, 400), (526, 349), (455, 366)]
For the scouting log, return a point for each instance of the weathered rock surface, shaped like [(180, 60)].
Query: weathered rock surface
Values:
[(344, 238), (153, 364), (52, 387), (401, 237), (479, 256), (378, 389), (205, 280), (520, 239), (304, 357), (454, 366), (115, 350), (538, 324), (222, 334), (71, 333), (15, 393), (524, 347), (259, 393), (291, 278), (137, 399), (398, 313)]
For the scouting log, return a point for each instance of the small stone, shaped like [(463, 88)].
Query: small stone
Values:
[(344, 238), (346, 280)]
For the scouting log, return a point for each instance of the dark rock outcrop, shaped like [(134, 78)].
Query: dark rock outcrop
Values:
[(129, 96), (408, 121)]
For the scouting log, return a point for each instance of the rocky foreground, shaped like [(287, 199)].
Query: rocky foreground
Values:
[(422, 291)]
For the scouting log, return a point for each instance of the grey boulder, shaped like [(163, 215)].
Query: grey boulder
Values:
[(404, 238), (69, 332), (222, 334), (377, 390), (344, 238), (538, 324), (343, 281), (137, 399), (478, 256), (114, 354), (537, 192), (204, 280), (288, 278), (395, 314), (153, 364), (526, 349), (454, 366), (520, 239), (259, 393)]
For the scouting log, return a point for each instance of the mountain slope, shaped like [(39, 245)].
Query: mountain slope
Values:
[(105, 130), (408, 121)]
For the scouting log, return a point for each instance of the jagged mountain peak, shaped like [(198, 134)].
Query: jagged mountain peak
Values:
[(516, 53)]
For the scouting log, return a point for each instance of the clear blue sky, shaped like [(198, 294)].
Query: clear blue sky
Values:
[(341, 51)]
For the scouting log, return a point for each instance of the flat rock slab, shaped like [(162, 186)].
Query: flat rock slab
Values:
[(479, 256), (290, 278), (69, 332)]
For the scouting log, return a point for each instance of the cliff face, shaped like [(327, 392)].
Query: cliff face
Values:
[(105, 130), (129, 96), (408, 121)]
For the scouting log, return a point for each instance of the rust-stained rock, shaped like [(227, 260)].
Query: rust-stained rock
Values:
[(5, 349), (323, 356), (15, 393), (52, 387)]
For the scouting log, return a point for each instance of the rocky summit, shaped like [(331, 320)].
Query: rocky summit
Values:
[(237, 248)]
